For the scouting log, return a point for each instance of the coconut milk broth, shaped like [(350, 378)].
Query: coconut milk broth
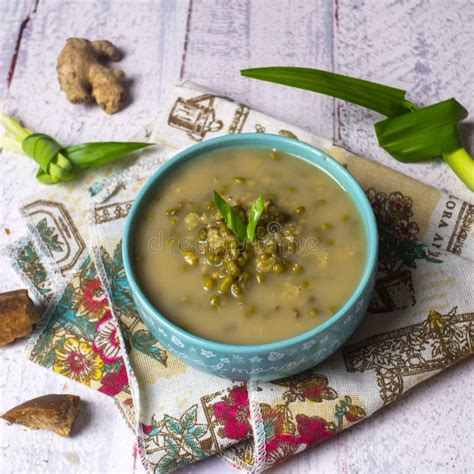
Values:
[(330, 253)]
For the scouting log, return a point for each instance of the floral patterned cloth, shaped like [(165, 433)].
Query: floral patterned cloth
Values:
[(420, 319)]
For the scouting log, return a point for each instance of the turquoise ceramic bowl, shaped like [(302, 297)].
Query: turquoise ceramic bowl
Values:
[(265, 361)]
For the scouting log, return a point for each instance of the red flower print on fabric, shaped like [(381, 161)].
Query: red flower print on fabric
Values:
[(313, 429), (113, 384), (233, 413), (94, 300), (284, 438), (107, 343)]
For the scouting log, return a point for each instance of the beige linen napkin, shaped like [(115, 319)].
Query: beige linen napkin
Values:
[(420, 320)]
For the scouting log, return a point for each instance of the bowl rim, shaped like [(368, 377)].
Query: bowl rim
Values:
[(323, 161)]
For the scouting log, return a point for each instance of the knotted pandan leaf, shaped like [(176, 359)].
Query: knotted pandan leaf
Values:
[(45, 150), (61, 164), (58, 163)]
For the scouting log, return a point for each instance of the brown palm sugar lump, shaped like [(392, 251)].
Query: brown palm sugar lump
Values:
[(49, 412), (17, 316)]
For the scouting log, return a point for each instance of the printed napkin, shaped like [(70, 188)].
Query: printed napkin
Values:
[(420, 320)]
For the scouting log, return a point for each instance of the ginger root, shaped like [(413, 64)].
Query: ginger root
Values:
[(17, 316), (49, 412), (83, 75)]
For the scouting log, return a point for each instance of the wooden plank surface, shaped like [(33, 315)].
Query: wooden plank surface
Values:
[(13, 24), (226, 36), (424, 46)]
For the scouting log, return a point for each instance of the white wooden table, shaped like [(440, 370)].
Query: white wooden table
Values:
[(424, 46)]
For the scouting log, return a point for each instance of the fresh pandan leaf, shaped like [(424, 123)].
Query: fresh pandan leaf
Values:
[(56, 162), (387, 100), (90, 155), (256, 212), (232, 219), (424, 133), (409, 134)]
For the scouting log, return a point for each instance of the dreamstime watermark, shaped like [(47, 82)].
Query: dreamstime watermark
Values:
[(271, 236)]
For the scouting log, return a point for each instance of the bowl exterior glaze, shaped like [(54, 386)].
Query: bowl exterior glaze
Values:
[(279, 359)]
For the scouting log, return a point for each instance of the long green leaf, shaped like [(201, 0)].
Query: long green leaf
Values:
[(233, 220), (90, 155), (424, 133), (255, 214), (387, 100)]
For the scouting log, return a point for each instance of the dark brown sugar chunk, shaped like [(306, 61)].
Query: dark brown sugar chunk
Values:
[(17, 316), (49, 412)]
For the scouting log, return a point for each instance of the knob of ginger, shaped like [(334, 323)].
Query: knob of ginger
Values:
[(83, 75), (17, 316), (49, 412)]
